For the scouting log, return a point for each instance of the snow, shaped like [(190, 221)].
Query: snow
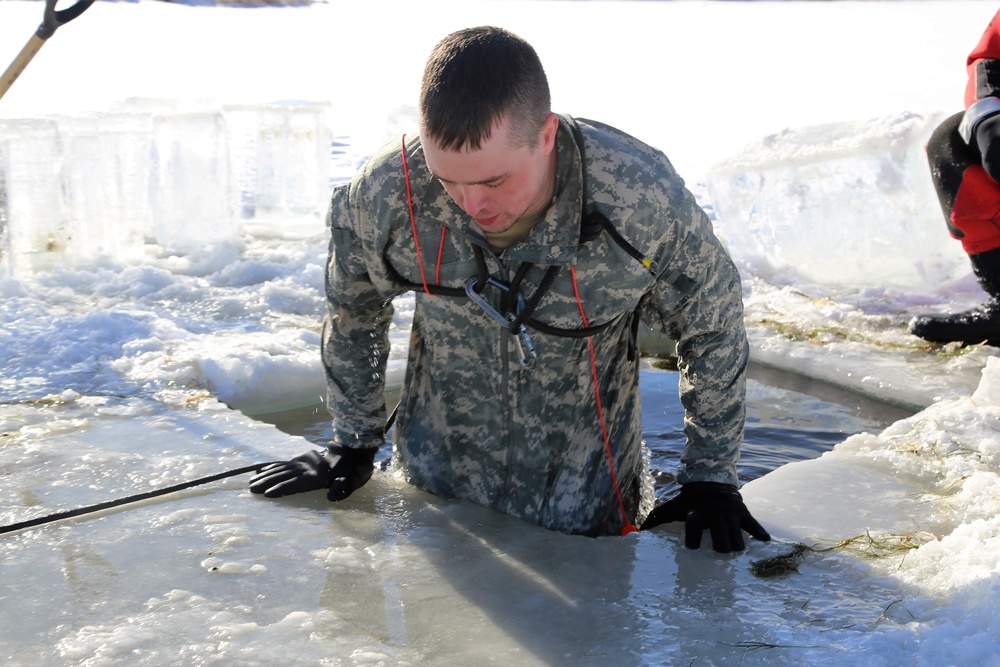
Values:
[(125, 335)]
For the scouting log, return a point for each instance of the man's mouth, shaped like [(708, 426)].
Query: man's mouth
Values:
[(487, 222)]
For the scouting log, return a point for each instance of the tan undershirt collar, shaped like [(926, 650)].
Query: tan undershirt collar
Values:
[(500, 241)]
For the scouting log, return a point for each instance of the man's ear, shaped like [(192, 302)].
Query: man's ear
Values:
[(547, 136)]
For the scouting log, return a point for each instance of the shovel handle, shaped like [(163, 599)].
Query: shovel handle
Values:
[(51, 20)]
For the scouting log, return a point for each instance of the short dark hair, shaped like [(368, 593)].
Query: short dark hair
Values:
[(475, 76)]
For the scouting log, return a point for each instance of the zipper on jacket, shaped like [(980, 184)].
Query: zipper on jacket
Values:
[(508, 439)]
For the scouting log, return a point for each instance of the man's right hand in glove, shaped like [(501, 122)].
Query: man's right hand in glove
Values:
[(339, 470)]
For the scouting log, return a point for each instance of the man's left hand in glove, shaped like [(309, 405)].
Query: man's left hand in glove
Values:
[(710, 506)]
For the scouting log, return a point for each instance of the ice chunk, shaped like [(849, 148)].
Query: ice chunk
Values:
[(191, 182), (845, 204), (73, 190), (33, 226), (186, 177), (105, 178), (281, 165)]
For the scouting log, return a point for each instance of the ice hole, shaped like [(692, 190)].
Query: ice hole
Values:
[(789, 418)]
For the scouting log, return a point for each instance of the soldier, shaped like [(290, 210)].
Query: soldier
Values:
[(534, 243)]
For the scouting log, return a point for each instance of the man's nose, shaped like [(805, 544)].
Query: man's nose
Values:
[(472, 199)]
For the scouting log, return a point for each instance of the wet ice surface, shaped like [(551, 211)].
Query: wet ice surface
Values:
[(216, 575), (392, 575)]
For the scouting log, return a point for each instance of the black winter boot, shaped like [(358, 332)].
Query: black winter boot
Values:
[(979, 325)]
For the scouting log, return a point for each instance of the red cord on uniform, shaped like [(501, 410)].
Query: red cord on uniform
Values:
[(437, 273), (629, 528), (413, 219)]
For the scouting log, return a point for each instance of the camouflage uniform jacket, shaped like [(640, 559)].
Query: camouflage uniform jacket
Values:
[(473, 423)]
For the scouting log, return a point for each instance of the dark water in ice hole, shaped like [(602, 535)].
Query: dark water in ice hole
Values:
[(789, 418)]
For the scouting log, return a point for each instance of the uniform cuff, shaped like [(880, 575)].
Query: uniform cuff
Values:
[(979, 111)]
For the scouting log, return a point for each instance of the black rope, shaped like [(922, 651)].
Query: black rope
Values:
[(509, 299), (593, 219), (90, 509), (583, 332), (483, 271), (543, 287)]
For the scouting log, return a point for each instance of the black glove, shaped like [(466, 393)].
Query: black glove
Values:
[(339, 470), (717, 507), (988, 140)]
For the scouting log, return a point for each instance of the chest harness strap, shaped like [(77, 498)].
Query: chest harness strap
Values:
[(516, 311)]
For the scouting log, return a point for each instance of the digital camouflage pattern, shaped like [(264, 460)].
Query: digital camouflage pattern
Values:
[(473, 423)]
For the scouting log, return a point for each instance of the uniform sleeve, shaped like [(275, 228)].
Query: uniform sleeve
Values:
[(698, 300), (355, 339)]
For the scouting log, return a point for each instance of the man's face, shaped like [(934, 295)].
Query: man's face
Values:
[(498, 183)]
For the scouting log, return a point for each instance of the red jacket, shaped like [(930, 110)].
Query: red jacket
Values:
[(983, 65)]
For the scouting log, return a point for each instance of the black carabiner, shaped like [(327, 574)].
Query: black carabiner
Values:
[(53, 18)]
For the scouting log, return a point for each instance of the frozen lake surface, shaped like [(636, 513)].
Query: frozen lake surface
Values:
[(125, 334), (391, 576)]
